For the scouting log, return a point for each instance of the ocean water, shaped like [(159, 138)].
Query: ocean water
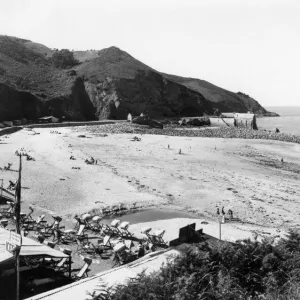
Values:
[(288, 122)]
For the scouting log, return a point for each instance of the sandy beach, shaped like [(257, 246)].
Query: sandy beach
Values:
[(246, 176)]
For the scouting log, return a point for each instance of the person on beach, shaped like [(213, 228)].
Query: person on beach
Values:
[(140, 252), (282, 160), (179, 151), (230, 213), (223, 211), (218, 211)]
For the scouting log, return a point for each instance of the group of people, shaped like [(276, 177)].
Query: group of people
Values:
[(230, 212), (91, 161), (143, 249)]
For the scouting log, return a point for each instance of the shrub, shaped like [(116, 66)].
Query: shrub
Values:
[(64, 58), (245, 270)]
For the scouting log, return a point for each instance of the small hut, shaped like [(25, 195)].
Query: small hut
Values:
[(245, 120), (129, 117)]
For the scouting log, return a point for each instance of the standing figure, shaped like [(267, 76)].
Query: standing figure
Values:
[(179, 151), (218, 211), (223, 211)]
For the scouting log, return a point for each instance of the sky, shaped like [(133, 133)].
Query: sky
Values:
[(252, 46)]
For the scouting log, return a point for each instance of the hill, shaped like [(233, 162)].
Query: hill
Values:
[(108, 83)]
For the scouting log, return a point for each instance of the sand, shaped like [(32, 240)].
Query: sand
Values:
[(244, 175)]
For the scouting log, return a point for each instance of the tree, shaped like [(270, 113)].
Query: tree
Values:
[(64, 58)]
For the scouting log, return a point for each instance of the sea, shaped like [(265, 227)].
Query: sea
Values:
[(288, 122)]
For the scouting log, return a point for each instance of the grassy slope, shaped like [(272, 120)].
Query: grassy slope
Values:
[(216, 94), (24, 65), (112, 62)]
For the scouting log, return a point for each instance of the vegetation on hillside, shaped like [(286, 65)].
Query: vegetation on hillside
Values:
[(245, 270), (64, 59)]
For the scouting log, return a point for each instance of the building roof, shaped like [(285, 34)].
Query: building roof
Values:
[(243, 116), (227, 115), (29, 248), (46, 118)]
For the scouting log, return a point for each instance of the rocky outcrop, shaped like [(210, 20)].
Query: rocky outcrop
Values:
[(203, 121), (148, 92), (75, 106), (15, 104), (145, 120)]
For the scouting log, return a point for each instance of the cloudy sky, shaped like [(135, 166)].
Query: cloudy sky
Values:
[(250, 46)]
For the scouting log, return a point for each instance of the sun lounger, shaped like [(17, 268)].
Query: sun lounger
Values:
[(129, 244), (95, 224), (146, 231), (123, 228), (114, 226), (64, 264), (79, 222), (80, 230), (122, 255), (105, 244), (157, 237), (84, 270)]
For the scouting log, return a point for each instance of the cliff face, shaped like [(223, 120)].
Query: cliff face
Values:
[(148, 92), (15, 104), (106, 84)]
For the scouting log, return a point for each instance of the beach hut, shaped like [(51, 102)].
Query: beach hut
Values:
[(129, 117), (245, 120)]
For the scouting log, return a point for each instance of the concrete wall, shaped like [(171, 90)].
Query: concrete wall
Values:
[(221, 122), (69, 124)]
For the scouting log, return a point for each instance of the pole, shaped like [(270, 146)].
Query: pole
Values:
[(17, 213), (220, 225), (1, 186)]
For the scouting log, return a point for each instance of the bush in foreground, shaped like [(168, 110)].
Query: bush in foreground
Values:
[(245, 270)]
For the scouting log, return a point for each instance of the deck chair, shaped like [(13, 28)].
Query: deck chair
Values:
[(49, 230), (87, 218), (95, 225), (123, 228), (10, 211), (63, 264), (81, 230), (82, 242), (3, 223), (146, 231), (79, 222), (129, 244), (105, 244), (122, 255), (84, 270), (114, 226), (27, 218), (157, 238)]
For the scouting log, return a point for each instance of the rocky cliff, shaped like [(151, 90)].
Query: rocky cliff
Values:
[(105, 84)]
